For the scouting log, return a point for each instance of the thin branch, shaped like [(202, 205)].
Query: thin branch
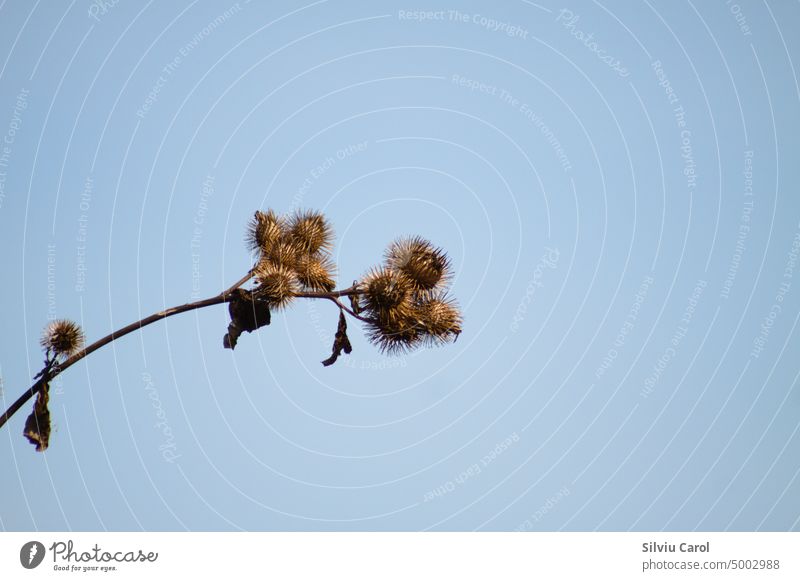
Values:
[(348, 309), (334, 296), (238, 283), (48, 374)]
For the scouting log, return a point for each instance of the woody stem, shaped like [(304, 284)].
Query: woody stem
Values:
[(225, 296), (52, 371)]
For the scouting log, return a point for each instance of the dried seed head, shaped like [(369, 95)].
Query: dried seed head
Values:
[(388, 302), (386, 290), (439, 319), (310, 231), (285, 252), (264, 231), (62, 337), (389, 305), (276, 284), (394, 335), (431, 321), (315, 272), (426, 266)]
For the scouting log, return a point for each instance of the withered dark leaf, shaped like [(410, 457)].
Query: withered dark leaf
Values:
[(248, 312), (37, 426), (230, 338), (340, 342), (355, 302)]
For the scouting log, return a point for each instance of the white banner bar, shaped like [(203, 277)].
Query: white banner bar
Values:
[(400, 556)]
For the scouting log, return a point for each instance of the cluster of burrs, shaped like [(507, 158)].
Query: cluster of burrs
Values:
[(294, 255), (404, 302)]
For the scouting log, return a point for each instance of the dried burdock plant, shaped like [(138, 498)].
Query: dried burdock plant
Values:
[(403, 303)]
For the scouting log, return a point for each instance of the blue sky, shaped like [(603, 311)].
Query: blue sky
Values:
[(615, 185)]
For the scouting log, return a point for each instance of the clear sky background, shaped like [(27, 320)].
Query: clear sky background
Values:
[(616, 184)]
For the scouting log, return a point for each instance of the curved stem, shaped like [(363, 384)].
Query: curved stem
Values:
[(334, 296), (49, 373), (348, 310)]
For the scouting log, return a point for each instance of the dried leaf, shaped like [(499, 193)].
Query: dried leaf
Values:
[(340, 341), (355, 300), (248, 313), (37, 426), (232, 336)]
